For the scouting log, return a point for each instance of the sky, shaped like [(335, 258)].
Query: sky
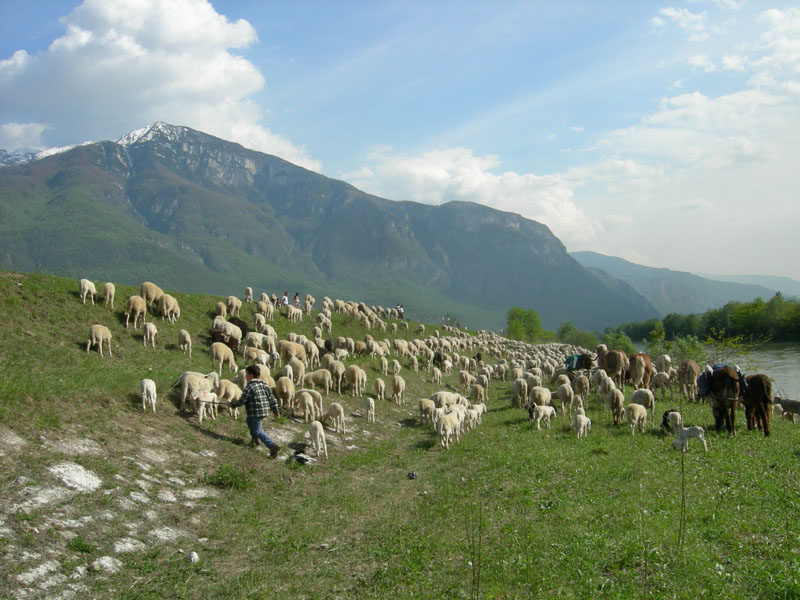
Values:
[(665, 133)]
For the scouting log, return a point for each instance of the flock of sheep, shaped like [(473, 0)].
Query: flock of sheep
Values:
[(308, 370)]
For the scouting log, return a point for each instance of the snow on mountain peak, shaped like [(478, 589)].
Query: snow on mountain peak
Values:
[(159, 129)]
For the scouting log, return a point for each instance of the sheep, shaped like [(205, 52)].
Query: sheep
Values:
[(289, 349), (317, 434), (335, 412), (136, 307), (97, 335), (370, 406), (221, 355), (426, 408), (581, 386), (221, 310), (259, 324), (185, 341), (636, 414), (465, 379), (482, 380), (285, 392), (663, 363), (540, 413), (248, 294), (229, 392), (234, 305), (616, 401), (436, 376), (337, 370), (671, 421), (449, 424), (396, 368), (148, 394), (661, 381), (87, 288), (520, 392), (577, 402), (191, 382), (169, 308), (356, 379), (565, 395), (151, 292), (681, 441), (444, 398), (293, 314), (149, 334), (321, 377), (581, 424), (255, 356), (398, 390), (540, 396), (205, 402), (108, 294), (646, 398), (379, 386)]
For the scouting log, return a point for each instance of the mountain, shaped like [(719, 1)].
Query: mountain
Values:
[(673, 291), (196, 213), (784, 285)]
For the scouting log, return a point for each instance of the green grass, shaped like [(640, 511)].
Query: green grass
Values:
[(537, 513)]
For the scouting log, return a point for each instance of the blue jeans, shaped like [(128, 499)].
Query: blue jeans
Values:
[(254, 424)]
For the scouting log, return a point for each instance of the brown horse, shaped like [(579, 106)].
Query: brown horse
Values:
[(758, 402), (723, 395)]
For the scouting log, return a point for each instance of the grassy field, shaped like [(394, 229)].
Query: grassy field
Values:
[(510, 512)]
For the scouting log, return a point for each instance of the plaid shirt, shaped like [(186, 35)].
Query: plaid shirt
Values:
[(258, 399)]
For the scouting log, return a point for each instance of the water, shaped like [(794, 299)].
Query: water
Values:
[(781, 361)]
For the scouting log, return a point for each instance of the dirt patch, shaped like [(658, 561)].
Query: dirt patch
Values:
[(80, 447), (76, 477), (9, 440)]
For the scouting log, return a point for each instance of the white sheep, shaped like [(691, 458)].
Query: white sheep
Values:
[(317, 434), (87, 289), (191, 382), (681, 441), (185, 341), (229, 392), (370, 406), (248, 294), (135, 307), (565, 396), (151, 292), (148, 394), (520, 392), (636, 414), (581, 424), (436, 376), (149, 334), (646, 398), (221, 355), (543, 413), (206, 403), (108, 293), (169, 308), (396, 368), (97, 335), (335, 413), (449, 425), (426, 408), (398, 390), (616, 401), (379, 386), (234, 305), (305, 402)]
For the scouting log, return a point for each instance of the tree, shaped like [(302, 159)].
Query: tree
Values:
[(617, 340), (523, 325)]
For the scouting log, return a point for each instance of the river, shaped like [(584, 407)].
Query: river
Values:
[(781, 361)]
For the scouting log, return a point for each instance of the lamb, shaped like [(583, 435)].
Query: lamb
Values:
[(398, 390), (671, 421), (540, 413), (148, 394), (426, 408), (229, 392), (370, 406), (248, 294), (646, 398), (185, 341), (379, 386), (192, 382), (681, 441), (321, 377), (789, 407), (581, 424), (108, 292), (234, 305), (97, 335), (151, 292), (205, 402), (305, 402), (616, 401), (336, 414), (221, 355), (636, 414), (169, 308), (149, 334), (317, 434), (87, 288), (136, 307)]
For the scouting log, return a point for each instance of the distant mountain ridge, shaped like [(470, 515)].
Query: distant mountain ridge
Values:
[(673, 291), (785, 285), (197, 213)]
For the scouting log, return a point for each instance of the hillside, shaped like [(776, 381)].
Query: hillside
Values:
[(101, 499), (201, 214), (785, 285), (673, 291)]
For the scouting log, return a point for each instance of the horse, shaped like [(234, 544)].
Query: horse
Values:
[(723, 396), (757, 400), (615, 363)]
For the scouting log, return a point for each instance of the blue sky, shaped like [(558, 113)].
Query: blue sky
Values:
[(666, 133)]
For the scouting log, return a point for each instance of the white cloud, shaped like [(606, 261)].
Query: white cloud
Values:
[(122, 64), (732, 62), (701, 61), (439, 176), (21, 135), (577, 128), (694, 24)]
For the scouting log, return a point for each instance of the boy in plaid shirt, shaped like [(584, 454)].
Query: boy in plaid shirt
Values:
[(258, 401)]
